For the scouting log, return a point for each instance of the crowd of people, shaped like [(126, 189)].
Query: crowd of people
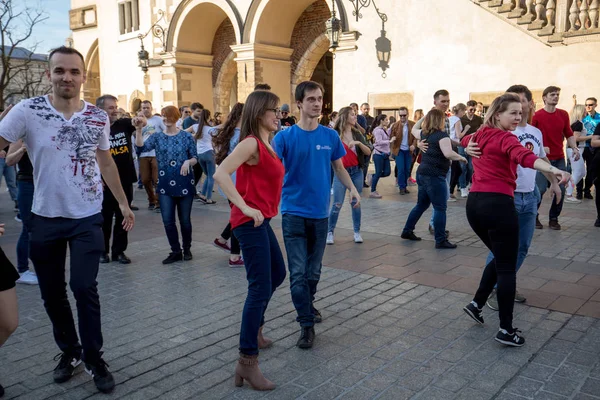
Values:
[(77, 173)]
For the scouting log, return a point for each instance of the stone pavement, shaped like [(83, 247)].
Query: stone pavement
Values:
[(172, 332)]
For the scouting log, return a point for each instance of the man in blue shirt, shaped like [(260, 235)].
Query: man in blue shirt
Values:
[(590, 122), (308, 151), (194, 118)]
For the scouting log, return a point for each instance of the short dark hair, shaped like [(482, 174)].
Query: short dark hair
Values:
[(102, 99), (471, 103), (550, 89), (352, 105), (364, 104), (195, 106), (441, 92), (593, 99), (521, 89), (66, 50), (262, 86), (403, 109), (146, 102), (305, 86), (183, 108)]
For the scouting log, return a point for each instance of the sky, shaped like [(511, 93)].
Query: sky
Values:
[(53, 31)]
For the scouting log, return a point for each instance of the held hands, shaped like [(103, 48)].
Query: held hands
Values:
[(139, 121), (473, 149), (255, 214), (185, 168), (563, 176), (354, 198), (423, 145), (128, 217)]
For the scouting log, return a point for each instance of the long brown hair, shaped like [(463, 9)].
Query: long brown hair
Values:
[(499, 105), (202, 121), (257, 104), (224, 134), (340, 124), (434, 121)]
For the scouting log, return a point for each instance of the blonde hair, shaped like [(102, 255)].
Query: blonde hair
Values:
[(435, 120), (499, 105), (577, 113)]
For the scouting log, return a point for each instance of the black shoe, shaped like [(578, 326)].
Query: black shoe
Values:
[(134, 208), (579, 196), (122, 258), (402, 191), (445, 245), (410, 236), (510, 339), (307, 337), (17, 206), (1, 391), (554, 225), (187, 255), (104, 258), (151, 206), (597, 223), (173, 257), (318, 316), (366, 185), (588, 196), (538, 224), (102, 377), (432, 231), (66, 366), (474, 312)]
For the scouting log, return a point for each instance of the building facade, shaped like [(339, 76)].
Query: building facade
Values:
[(215, 51)]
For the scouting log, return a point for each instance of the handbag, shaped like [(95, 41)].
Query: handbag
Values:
[(387, 167)]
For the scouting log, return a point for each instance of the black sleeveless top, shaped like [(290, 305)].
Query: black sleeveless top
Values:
[(25, 169)]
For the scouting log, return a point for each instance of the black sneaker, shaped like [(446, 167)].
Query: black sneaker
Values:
[(173, 257), (588, 196), (307, 337), (102, 377), (579, 196), (445, 245), (104, 258), (510, 339), (318, 316), (122, 258), (66, 366), (410, 236), (187, 255), (474, 312)]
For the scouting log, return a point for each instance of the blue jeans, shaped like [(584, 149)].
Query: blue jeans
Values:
[(207, 162), (467, 169), (382, 167), (10, 175), (25, 201), (432, 190), (526, 206), (305, 245), (339, 195), (448, 176), (543, 185), (265, 271), (403, 162), (168, 204)]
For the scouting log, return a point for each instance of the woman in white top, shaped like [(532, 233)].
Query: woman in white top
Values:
[(456, 133), (206, 155)]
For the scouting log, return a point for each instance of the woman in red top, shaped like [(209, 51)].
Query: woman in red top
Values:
[(255, 198), (491, 209), (356, 148)]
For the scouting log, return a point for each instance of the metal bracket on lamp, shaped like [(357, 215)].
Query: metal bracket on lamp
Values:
[(158, 32)]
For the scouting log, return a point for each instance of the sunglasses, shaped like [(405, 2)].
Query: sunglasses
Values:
[(590, 105), (402, 115)]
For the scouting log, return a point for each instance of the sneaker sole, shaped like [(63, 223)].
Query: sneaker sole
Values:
[(103, 390), (470, 314), (490, 307), (222, 248), (329, 243), (63, 380), (27, 283), (509, 343)]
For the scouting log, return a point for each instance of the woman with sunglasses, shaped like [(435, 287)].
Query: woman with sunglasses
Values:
[(185, 112)]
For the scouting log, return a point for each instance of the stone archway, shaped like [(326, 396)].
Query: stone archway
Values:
[(135, 101), (225, 85), (92, 86)]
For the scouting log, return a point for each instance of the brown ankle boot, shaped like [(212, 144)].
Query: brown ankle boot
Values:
[(247, 368), (263, 342)]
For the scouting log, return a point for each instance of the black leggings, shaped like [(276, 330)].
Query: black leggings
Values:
[(228, 234), (494, 219), (197, 172), (455, 175)]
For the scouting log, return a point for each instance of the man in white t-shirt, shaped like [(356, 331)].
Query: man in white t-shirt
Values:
[(147, 159), (68, 143), (526, 194)]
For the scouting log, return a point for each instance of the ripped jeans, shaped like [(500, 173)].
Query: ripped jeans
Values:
[(339, 197)]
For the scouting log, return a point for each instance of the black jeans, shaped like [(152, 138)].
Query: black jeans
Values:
[(197, 169), (48, 252), (110, 208), (590, 173), (235, 244), (455, 175), (494, 219)]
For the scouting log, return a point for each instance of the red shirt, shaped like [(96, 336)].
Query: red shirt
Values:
[(496, 170), (350, 159), (555, 128), (259, 185)]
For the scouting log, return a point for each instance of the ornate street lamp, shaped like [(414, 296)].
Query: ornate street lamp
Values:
[(159, 33), (333, 30)]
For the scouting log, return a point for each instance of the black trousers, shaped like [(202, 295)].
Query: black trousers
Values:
[(110, 208), (197, 169), (494, 219), (590, 172), (456, 170), (48, 251)]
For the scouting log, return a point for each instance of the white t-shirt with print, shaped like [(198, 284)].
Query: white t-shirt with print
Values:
[(531, 138), (154, 124), (63, 153), (204, 144)]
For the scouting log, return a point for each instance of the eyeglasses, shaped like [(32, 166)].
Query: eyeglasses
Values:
[(402, 115), (275, 110), (590, 105)]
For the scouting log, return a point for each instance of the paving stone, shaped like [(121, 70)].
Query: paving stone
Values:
[(324, 392), (591, 386), (560, 385), (524, 387)]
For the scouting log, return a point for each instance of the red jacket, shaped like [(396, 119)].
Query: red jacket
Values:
[(496, 170)]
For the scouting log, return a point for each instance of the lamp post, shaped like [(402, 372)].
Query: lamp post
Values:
[(333, 30), (158, 32)]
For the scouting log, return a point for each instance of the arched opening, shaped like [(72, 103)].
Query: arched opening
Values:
[(135, 101), (91, 88)]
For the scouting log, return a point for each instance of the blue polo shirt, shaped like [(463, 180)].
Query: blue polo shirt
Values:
[(307, 158)]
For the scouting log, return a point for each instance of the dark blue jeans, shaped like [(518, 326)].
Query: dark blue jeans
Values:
[(265, 271), (543, 185), (183, 205), (48, 242), (305, 245), (432, 190), (382, 168), (403, 162), (25, 200)]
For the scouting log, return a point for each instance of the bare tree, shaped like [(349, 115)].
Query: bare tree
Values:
[(18, 66)]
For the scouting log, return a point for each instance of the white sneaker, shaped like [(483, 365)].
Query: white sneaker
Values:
[(572, 199), (28, 278), (357, 238), (451, 199), (464, 193), (329, 238)]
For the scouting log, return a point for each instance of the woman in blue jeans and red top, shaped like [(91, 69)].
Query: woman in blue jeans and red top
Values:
[(431, 178), (381, 151), (356, 148), (176, 155), (255, 197), (491, 207)]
